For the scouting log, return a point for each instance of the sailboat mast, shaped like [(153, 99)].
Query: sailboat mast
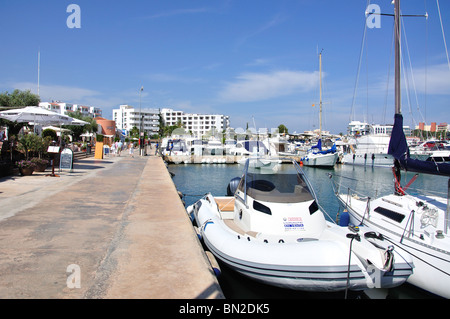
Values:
[(398, 100), (320, 100)]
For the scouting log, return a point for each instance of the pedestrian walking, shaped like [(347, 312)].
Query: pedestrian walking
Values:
[(119, 147), (131, 150)]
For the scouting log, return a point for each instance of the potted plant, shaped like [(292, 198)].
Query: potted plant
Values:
[(26, 168), (41, 164)]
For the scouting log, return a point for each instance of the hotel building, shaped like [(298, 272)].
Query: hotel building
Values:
[(67, 108), (197, 124), (127, 117)]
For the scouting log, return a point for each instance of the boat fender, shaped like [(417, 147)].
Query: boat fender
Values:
[(344, 218), (214, 264), (233, 185), (197, 231)]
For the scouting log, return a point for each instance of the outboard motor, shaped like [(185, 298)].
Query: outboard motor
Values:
[(232, 186)]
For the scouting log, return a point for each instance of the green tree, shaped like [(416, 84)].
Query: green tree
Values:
[(282, 129), (30, 143), (50, 133), (77, 130), (19, 98), (134, 132)]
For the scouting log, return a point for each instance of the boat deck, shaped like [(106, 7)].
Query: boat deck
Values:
[(226, 206)]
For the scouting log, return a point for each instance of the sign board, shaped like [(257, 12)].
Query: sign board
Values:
[(99, 150), (53, 149), (66, 161)]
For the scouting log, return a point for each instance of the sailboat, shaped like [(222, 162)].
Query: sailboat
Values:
[(316, 156), (416, 224)]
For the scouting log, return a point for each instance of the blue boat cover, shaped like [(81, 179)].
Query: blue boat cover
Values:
[(319, 147), (398, 148)]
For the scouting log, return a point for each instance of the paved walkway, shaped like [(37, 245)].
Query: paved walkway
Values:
[(112, 228)]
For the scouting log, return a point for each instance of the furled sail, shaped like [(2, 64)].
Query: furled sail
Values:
[(398, 148)]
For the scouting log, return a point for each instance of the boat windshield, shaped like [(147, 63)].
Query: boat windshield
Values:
[(285, 185)]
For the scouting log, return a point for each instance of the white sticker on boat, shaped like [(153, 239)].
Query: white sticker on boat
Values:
[(293, 223)]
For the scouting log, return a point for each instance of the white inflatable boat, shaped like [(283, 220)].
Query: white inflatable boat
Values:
[(273, 231)]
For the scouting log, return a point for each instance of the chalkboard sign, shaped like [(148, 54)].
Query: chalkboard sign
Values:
[(66, 161)]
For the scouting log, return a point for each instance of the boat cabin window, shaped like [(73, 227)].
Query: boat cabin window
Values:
[(278, 188)]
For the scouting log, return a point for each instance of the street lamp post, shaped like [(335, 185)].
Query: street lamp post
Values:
[(140, 123)]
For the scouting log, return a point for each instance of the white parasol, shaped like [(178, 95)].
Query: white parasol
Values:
[(36, 115)]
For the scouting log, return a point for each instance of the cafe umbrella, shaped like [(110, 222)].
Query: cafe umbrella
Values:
[(36, 115)]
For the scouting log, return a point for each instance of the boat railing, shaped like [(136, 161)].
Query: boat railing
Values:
[(311, 189), (351, 192), (238, 197), (409, 222)]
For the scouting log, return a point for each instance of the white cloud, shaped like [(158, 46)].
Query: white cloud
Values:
[(278, 19), (250, 87), (436, 78), (56, 92)]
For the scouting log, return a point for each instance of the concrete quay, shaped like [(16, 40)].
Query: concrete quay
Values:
[(111, 228)]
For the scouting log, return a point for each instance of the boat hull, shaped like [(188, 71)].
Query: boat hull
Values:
[(320, 160), (368, 159), (432, 264), (314, 278)]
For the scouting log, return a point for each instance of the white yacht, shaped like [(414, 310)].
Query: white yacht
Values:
[(369, 150)]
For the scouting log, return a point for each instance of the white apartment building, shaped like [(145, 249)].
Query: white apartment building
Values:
[(357, 127), (127, 117), (197, 124), (67, 108), (361, 128)]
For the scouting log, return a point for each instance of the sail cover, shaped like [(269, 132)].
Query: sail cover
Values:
[(398, 148)]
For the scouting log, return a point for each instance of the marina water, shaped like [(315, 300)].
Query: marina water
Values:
[(196, 180)]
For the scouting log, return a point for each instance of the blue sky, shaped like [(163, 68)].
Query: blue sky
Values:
[(243, 58)]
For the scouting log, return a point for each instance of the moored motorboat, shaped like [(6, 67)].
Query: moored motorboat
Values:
[(272, 230)]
